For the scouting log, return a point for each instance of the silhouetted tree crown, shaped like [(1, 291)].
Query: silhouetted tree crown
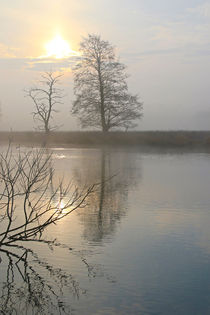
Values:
[(46, 97), (102, 97)]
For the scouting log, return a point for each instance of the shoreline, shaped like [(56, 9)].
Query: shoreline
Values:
[(71, 139)]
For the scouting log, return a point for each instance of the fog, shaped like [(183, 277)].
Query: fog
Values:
[(165, 47), (171, 102)]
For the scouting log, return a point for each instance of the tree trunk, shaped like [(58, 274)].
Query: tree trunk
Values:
[(101, 90)]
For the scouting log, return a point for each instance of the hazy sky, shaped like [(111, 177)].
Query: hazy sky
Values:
[(165, 45)]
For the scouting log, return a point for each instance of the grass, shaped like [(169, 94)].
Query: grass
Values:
[(95, 138)]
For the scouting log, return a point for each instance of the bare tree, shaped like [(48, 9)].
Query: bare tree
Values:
[(46, 97), (27, 205), (102, 98)]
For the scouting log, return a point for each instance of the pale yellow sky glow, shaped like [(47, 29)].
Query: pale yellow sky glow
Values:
[(59, 48), (164, 44)]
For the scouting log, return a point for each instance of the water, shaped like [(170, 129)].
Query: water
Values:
[(140, 246)]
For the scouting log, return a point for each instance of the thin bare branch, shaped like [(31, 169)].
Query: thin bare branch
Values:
[(25, 192), (46, 97)]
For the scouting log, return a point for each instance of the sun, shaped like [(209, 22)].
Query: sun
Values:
[(59, 48)]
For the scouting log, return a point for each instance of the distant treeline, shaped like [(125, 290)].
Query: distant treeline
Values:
[(94, 138)]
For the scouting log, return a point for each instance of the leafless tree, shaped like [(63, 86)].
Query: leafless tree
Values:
[(27, 205), (46, 97), (100, 87)]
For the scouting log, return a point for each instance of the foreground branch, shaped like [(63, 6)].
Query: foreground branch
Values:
[(28, 205)]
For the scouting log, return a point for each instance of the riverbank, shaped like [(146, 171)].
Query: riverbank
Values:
[(182, 139)]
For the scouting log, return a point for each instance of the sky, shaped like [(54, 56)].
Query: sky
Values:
[(165, 45)]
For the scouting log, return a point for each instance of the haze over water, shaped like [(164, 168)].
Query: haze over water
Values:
[(144, 234), (140, 244)]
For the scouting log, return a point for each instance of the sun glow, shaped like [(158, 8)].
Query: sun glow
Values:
[(62, 208), (59, 48)]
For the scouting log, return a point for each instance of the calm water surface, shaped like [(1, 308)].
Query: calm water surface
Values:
[(142, 243)]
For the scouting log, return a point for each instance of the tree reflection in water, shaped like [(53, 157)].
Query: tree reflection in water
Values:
[(28, 207), (31, 285), (25, 288), (108, 204)]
